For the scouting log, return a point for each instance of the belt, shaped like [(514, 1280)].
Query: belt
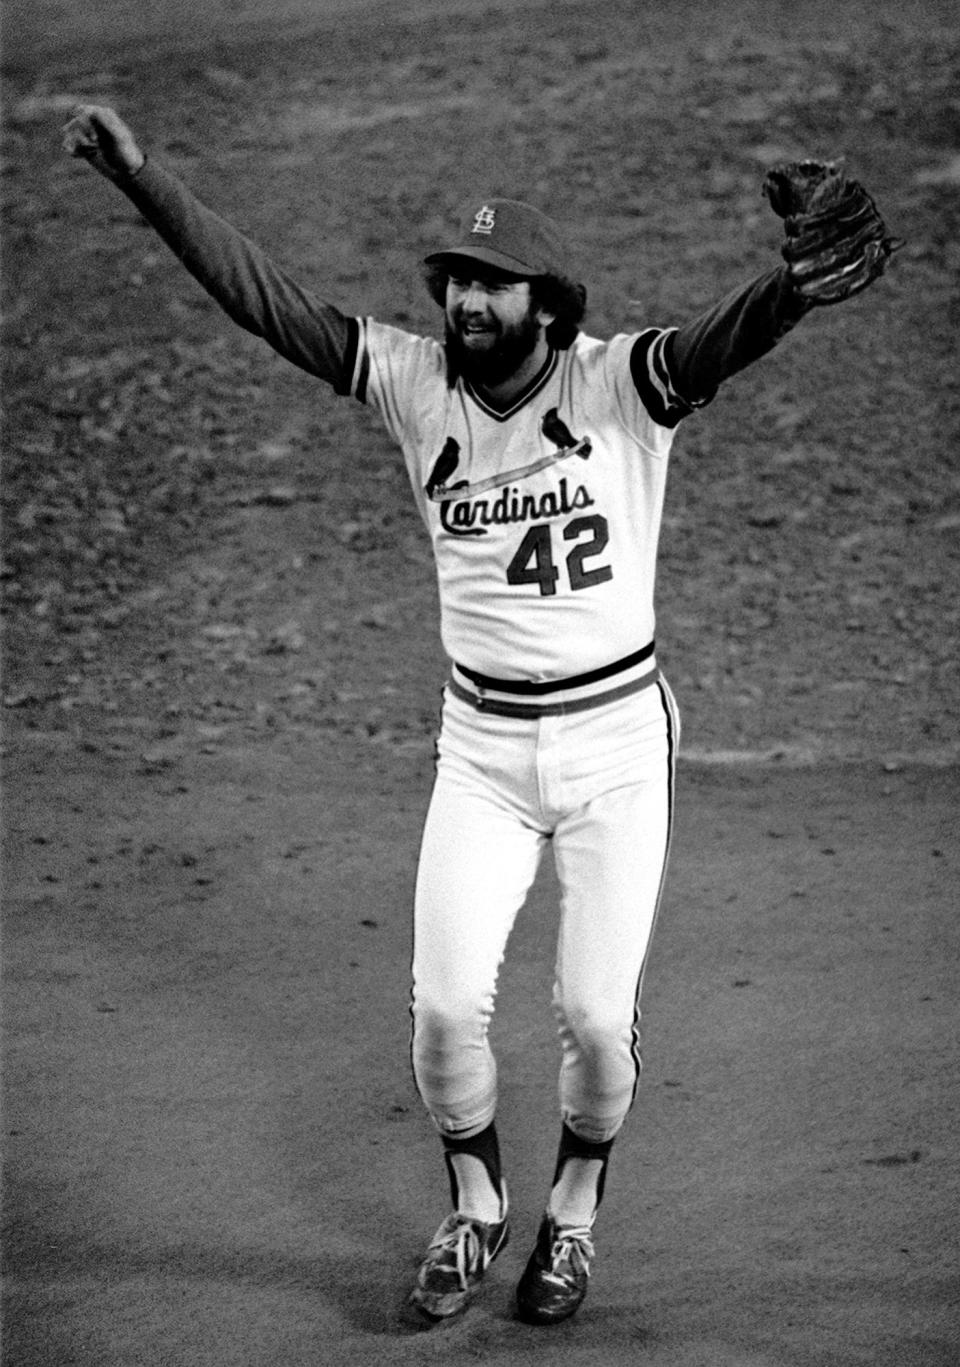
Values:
[(558, 685), (580, 692)]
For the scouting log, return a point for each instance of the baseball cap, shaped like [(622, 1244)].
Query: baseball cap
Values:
[(509, 235)]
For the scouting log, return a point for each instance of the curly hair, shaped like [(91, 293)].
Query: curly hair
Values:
[(565, 299)]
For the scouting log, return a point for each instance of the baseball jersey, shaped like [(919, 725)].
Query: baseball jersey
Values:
[(545, 517), (545, 527)]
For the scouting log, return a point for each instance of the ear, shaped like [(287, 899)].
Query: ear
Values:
[(545, 317)]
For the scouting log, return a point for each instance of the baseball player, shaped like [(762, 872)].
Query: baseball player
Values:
[(537, 457)]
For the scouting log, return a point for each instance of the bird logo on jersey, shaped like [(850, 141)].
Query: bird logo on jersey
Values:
[(556, 430), (439, 489), (446, 463)]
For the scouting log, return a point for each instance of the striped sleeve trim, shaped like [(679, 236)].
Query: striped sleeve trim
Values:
[(357, 365), (650, 369), (350, 357)]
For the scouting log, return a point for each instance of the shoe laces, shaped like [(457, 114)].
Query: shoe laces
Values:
[(571, 1250), (457, 1248)]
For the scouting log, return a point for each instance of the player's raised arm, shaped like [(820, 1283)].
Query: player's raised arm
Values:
[(729, 335), (244, 281), (836, 244)]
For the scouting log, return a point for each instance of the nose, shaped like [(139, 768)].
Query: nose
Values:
[(474, 298)]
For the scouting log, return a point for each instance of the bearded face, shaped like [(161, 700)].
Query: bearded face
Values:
[(492, 327)]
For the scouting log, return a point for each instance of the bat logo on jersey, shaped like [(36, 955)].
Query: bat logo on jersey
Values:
[(484, 221), (439, 489), (464, 513)]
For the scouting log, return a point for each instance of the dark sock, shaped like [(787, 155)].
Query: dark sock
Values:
[(484, 1146), (572, 1146)]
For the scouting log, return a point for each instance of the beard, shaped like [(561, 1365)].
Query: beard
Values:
[(492, 364)]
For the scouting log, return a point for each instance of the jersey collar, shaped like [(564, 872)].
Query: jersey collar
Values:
[(525, 395)]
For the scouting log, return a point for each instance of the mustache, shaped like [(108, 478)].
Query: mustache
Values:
[(461, 322)]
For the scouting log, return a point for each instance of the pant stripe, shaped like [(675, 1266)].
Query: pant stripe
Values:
[(413, 933), (673, 736)]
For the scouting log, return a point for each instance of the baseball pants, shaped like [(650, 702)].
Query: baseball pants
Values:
[(599, 785)]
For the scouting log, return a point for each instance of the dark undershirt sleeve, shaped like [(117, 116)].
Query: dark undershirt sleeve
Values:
[(743, 326), (255, 292), (681, 369)]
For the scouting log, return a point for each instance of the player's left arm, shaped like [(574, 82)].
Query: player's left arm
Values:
[(733, 333), (676, 370), (836, 244)]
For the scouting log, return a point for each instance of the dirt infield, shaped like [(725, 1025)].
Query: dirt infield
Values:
[(221, 685)]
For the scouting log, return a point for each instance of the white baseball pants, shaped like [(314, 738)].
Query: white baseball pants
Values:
[(599, 785)]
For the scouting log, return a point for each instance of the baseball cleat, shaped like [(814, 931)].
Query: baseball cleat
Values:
[(555, 1279), (450, 1275)]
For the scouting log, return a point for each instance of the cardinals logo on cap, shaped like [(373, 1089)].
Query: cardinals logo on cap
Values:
[(484, 220)]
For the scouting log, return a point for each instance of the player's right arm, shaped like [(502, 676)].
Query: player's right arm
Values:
[(255, 292)]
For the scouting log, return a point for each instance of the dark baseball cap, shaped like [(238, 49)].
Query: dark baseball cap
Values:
[(510, 236)]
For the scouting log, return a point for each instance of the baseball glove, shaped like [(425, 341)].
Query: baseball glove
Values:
[(837, 243)]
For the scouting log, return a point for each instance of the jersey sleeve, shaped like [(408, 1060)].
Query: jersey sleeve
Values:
[(630, 372), (255, 292), (651, 371), (401, 375)]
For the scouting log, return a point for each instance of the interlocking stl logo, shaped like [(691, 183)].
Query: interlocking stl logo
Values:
[(485, 220)]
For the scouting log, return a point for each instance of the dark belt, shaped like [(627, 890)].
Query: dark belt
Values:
[(529, 687), (499, 707)]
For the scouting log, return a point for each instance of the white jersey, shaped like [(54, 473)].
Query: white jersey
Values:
[(544, 572)]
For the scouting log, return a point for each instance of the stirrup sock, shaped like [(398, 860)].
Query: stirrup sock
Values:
[(476, 1179)]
